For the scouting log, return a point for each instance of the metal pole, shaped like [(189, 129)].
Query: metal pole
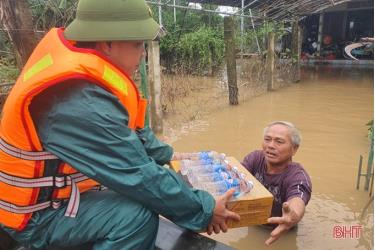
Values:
[(174, 12), (242, 28), (256, 37), (244, 7), (270, 66), (359, 170), (372, 184), (160, 17), (369, 165)]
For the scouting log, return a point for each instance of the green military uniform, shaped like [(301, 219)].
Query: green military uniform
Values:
[(84, 125)]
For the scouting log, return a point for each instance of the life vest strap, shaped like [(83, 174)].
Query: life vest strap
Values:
[(73, 204), (26, 155), (29, 209), (49, 181), (99, 188)]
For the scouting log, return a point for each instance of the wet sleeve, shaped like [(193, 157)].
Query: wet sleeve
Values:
[(87, 130), (298, 185), (158, 150)]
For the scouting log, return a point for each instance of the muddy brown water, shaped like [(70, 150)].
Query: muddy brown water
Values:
[(330, 106)]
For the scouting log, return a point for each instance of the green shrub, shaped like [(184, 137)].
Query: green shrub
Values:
[(200, 51)]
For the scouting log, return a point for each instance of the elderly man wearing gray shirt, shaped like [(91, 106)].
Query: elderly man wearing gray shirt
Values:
[(288, 181)]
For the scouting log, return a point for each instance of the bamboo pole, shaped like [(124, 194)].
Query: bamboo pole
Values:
[(230, 57)]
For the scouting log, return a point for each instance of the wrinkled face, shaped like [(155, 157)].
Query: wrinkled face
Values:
[(125, 54), (277, 145)]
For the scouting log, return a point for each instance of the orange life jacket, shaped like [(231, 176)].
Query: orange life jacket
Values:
[(22, 158)]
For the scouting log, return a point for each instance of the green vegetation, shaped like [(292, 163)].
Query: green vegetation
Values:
[(261, 33), (52, 13), (370, 130), (197, 52), (8, 71), (194, 44)]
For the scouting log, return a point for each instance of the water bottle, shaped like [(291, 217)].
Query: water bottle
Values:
[(218, 188), (241, 186), (203, 169), (213, 155), (216, 155), (215, 188), (189, 164), (205, 178)]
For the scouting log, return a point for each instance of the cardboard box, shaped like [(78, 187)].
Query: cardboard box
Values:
[(253, 207)]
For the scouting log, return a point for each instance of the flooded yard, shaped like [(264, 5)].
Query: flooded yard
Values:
[(330, 106)]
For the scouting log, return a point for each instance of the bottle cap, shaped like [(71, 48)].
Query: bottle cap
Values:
[(217, 177), (235, 183), (218, 167), (251, 184)]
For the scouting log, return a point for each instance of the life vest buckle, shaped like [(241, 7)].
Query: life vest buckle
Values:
[(56, 203), (60, 181)]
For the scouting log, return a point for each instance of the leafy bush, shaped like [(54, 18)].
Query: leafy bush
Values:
[(194, 44), (261, 32), (200, 51), (52, 13), (8, 71)]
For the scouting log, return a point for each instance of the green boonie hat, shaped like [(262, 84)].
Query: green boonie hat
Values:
[(112, 20)]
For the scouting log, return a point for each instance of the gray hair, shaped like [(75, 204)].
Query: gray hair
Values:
[(295, 135)]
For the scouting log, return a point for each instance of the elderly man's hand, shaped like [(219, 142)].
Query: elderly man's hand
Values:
[(293, 211), (222, 214)]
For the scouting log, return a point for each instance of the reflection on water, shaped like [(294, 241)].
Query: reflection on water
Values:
[(330, 106)]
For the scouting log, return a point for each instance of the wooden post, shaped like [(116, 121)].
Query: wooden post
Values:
[(156, 115), (270, 60), (16, 20), (144, 89), (230, 57), (344, 21), (320, 33), (296, 51)]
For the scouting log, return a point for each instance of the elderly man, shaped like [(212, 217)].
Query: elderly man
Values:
[(74, 121), (286, 180)]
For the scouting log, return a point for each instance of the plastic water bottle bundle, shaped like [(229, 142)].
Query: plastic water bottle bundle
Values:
[(208, 170), (189, 160), (219, 187), (200, 167), (202, 155), (241, 186)]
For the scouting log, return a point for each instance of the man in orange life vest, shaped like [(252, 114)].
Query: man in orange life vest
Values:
[(74, 121)]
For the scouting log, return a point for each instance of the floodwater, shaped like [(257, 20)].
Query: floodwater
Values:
[(330, 106)]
